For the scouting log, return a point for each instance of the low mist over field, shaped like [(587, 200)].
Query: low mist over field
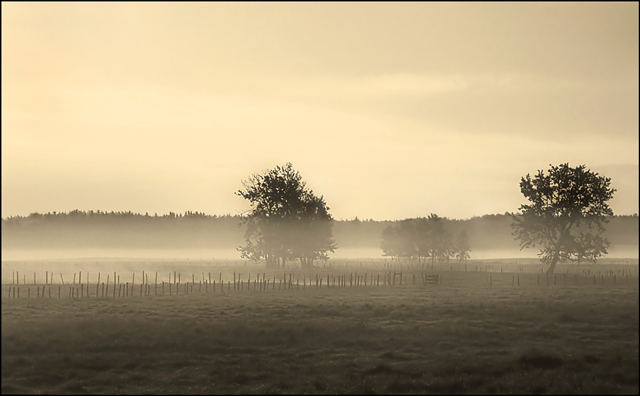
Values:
[(98, 234)]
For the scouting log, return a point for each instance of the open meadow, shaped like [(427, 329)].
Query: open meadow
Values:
[(496, 327)]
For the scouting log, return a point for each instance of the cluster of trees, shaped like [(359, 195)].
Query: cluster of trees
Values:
[(287, 221), (424, 238)]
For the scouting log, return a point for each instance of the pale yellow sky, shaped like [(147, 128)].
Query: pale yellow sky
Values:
[(389, 110)]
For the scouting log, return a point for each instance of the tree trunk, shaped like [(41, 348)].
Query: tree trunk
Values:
[(554, 261)]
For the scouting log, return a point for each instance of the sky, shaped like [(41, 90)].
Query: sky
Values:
[(388, 110)]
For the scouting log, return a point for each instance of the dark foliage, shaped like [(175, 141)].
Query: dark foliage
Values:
[(287, 221), (565, 215), (420, 239)]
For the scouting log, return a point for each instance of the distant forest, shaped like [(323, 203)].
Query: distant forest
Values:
[(78, 229)]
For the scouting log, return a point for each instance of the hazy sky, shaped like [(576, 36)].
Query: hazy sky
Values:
[(389, 110)]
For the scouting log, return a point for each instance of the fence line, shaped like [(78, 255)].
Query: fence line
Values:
[(331, 281)]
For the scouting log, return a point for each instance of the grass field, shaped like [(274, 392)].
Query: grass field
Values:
[(471, 334)]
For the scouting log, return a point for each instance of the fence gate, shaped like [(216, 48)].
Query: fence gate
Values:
[(430, 279)]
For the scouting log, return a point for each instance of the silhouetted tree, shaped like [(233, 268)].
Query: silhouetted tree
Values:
[(287, 221), (439, 244), (461, 247), (568, 207), (389, 242), (417, 239), (399, 240)]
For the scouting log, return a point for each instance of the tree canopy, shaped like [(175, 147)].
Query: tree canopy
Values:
[(420, 239), (287, 221), (565, 217), (461, 247)]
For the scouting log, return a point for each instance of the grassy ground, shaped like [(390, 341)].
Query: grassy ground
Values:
[(465, 336)]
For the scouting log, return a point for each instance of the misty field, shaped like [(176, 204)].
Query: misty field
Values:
[(476, 332)]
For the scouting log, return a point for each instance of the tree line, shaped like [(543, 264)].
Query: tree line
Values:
[(492, 231), (88, 216)]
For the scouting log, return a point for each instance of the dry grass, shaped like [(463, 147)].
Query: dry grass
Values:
[(460, 337)]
